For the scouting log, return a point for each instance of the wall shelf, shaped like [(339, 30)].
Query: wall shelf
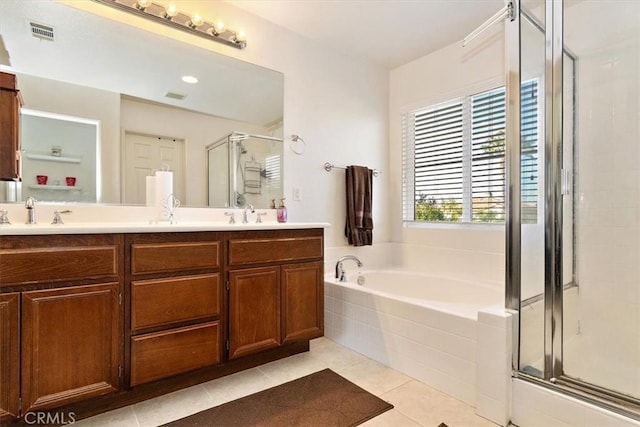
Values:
[(55, 187), (50, 158)]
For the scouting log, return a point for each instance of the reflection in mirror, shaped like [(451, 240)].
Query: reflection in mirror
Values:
[(134, 88), (244, 169), (59, 156)]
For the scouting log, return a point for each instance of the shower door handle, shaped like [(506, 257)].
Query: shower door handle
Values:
[(565, 182)]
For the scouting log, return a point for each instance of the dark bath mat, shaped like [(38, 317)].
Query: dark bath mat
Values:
[(323, 398)]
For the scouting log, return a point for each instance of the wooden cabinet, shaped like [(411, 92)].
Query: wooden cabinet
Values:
[(70, 344), (9, 128), (170, 352), (60, 319), (302, 301), (9, 355), (167, 301), (254, 310), (176, 304), (94, 322), (276, 292)]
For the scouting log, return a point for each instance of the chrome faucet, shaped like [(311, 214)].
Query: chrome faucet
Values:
[(57, 219), (4, 219), (232, 217), (340, 273), (30, 204), (245, 220)]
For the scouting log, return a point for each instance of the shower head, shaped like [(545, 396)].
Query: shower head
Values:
[(241, 148)]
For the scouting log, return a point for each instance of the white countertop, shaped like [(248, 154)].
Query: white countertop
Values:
[(141, 227), (95, 219)]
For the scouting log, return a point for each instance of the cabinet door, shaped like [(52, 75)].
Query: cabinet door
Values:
[(71, 341), (302, 301), (9, 119), (9, 354), (254, 310)]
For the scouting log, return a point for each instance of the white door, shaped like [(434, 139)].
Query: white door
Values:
[(143, 155)]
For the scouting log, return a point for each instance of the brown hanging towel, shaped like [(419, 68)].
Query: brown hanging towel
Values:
[(359, 224)]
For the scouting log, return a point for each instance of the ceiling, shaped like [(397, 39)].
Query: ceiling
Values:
[(388, 32)]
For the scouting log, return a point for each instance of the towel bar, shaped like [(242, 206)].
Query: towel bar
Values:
[(328, 166)]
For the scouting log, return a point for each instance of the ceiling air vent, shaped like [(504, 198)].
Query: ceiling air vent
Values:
[(175, 95), (41, 31)]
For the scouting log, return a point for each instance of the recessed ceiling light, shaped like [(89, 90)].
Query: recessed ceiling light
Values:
[(189, 79)]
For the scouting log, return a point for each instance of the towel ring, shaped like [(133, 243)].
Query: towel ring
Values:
[(297, 148)]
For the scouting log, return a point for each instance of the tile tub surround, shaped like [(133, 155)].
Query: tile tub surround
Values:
[(434, 347), (466, 258), (493, 363)]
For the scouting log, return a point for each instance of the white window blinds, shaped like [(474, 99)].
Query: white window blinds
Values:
[(454, 162), (487, 156), (439, 163)]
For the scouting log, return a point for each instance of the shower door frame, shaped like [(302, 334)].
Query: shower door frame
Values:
[(553, 376)]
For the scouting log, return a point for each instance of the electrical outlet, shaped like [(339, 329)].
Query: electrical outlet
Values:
[(296, 194)]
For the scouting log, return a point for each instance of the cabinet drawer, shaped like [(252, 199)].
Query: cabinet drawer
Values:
[(164, 257), (163, 354), (63, 263), (247, 251), (166, 301)]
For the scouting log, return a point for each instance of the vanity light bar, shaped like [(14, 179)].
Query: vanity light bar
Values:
[(173, 18)]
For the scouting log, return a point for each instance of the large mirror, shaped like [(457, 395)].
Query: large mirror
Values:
[(76, 68)]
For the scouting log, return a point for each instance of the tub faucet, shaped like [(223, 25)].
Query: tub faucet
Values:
[(30, 204), (340, 273), (244, 214)]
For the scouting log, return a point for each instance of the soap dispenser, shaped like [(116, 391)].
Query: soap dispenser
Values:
[(282, 212)]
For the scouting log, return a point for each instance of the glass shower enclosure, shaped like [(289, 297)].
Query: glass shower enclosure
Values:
[(244, 169), (573, 232)]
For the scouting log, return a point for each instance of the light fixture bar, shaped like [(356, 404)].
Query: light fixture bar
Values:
[(179, 20)]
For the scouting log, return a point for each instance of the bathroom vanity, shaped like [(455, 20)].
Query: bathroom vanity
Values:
[(92, 321)]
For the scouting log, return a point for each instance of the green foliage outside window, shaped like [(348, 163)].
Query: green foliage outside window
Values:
[(430, 209)]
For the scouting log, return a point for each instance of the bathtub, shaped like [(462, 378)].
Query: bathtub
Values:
[(421, 325)]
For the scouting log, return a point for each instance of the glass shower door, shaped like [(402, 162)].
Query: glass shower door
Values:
[(576, 261), (601, 337), (532, 206)]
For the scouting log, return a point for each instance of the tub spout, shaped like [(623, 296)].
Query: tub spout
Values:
[(340, 273)]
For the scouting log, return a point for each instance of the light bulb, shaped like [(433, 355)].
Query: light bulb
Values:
[(241, 36), (196, 20), (170, 11), (143, 4), (218, 26)]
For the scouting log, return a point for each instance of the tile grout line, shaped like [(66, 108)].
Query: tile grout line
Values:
[(394, 406), (135, 415)]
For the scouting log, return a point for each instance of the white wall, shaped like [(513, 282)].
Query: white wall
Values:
[(443, 75), (337, 103)]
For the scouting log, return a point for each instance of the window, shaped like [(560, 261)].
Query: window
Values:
[(454, 163)]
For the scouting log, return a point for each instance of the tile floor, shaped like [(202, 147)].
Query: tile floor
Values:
[(415, 404)]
